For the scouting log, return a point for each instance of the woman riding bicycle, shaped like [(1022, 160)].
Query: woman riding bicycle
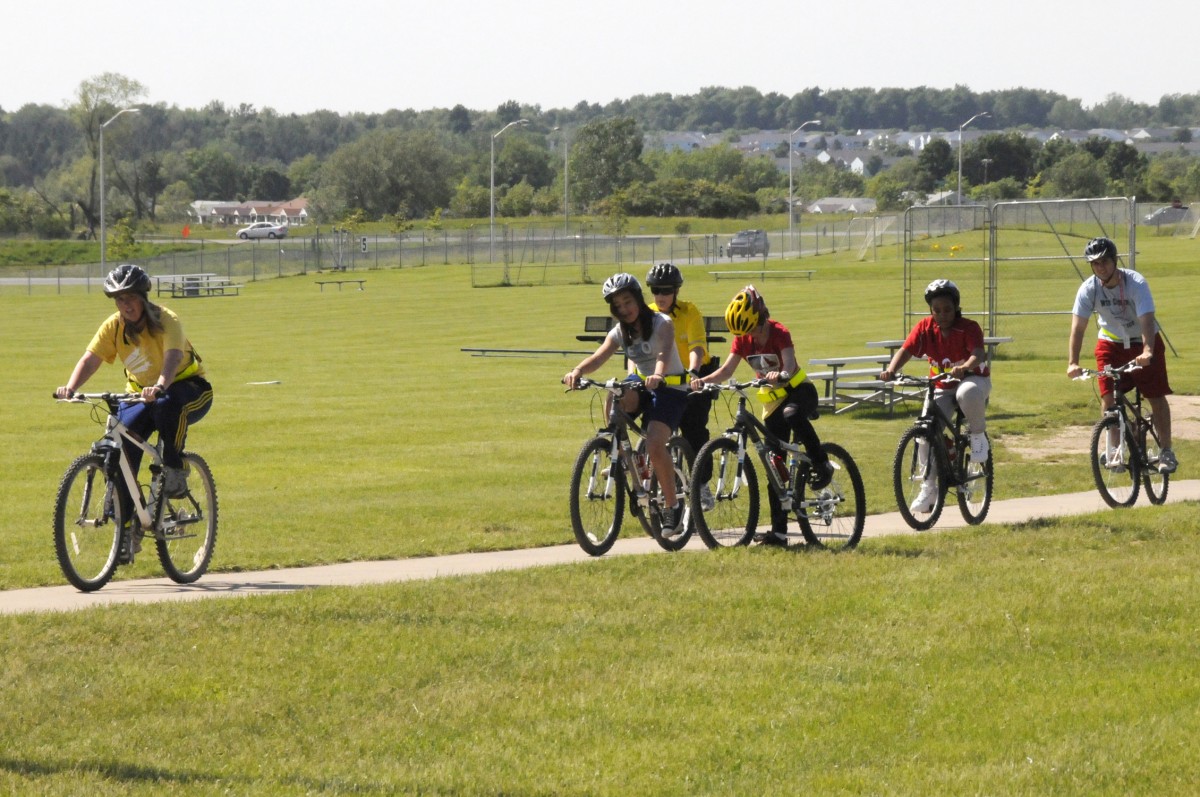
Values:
[(648, 339), (664, 281), (160, 364), (954, 347), (789, 405)]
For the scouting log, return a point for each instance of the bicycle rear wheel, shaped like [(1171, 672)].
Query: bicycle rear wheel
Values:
[(189, 525), (87, 524), (1117, 478), (833, 517), (681, 458), (597, 497), (920, 457), (1156, 483), (975, 492), (725, 505)]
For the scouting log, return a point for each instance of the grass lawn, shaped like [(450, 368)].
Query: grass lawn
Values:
[(1056, 657)]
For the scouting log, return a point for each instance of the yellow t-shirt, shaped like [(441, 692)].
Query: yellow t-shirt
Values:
[(143, 360), (689, 332)]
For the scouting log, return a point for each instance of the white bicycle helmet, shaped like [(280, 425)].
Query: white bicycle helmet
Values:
[(621, 282), (942, 288)]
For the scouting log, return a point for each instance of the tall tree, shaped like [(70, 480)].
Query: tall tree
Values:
[(97, 100), (606, 156)]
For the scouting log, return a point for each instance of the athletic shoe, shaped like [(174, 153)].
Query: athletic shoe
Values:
[(821, 476), (175, 482), (671, 521), (1167, 462), (923, 503), (772, 538), (979, 447), (708, 501)]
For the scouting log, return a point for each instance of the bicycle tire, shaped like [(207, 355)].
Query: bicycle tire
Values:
[(185, 548), (975, 491), (908, 474), (1156, 484), (841, 506), (681, 458), (87, 524), (733, 518), (1117, 488), (597, 497)]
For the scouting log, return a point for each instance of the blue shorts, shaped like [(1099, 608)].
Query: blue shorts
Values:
[(666, 404)]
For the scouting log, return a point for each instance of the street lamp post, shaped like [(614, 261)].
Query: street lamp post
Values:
[(566, 179), (103, 228), (960, 149), (492, 189), (791, 201)]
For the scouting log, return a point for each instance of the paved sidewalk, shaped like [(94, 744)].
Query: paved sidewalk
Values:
[(274, 582)]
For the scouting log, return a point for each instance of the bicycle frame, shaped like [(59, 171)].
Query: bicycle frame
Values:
[(114, 435), (934, 418), (748, 427)]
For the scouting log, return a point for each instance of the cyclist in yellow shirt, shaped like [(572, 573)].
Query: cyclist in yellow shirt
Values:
[(664, 281), (160, 364)]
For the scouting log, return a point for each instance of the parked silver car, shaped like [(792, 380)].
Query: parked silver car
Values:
[(262, 229), (749, 243)]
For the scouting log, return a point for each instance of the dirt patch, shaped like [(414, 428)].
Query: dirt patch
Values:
[(1074, 440)]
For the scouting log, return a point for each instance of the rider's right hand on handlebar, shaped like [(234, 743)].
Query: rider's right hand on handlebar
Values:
[(1075, 372), (63, 392)]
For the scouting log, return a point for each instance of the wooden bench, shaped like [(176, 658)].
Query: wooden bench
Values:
[(762, 274), (185, 286), (596, 327), (339, 283)]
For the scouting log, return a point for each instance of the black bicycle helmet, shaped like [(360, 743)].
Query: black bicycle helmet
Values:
[(622, 282), (942, 288), (127, 278), (1098, 248), (665, 275)]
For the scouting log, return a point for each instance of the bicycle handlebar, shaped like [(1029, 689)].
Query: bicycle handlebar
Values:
[(924, 381), (1109, 371), (614, 385)]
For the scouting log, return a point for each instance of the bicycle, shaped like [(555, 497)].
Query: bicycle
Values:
[(938, 447), (1125, 447), (725, 504), (92, 536), (609, 471)]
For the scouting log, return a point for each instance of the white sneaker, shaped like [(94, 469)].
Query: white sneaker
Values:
[(708, 501), (923, 503), (979, 447)]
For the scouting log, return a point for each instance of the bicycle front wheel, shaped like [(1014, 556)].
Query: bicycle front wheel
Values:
[(1114, 466), (189, 525), (975, 491), (724, 505), (918, 477), (681, 457), (597, 497), (833, 516), (87, 524), (1156, 483)]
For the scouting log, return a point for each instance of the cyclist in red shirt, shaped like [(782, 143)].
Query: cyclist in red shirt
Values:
[(954, 347)]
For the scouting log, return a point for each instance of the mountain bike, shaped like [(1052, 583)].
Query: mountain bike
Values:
[(611, 470), (725, 505), (92, 535), (1125, 447), (939, 448)]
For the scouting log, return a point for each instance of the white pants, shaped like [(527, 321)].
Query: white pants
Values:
[(971, 394)]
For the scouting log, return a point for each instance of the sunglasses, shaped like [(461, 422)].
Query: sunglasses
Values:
[(662, 291)]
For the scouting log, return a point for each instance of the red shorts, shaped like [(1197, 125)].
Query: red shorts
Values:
[(1151, 380)]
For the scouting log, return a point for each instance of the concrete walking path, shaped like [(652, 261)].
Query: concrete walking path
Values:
[(275, 582)]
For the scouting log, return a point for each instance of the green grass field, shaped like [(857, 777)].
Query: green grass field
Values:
[(1057, 657)]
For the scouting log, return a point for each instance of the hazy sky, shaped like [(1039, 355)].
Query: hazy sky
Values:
[(370, 55)]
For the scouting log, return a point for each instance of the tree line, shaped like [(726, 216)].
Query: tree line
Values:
[(405, 165)]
